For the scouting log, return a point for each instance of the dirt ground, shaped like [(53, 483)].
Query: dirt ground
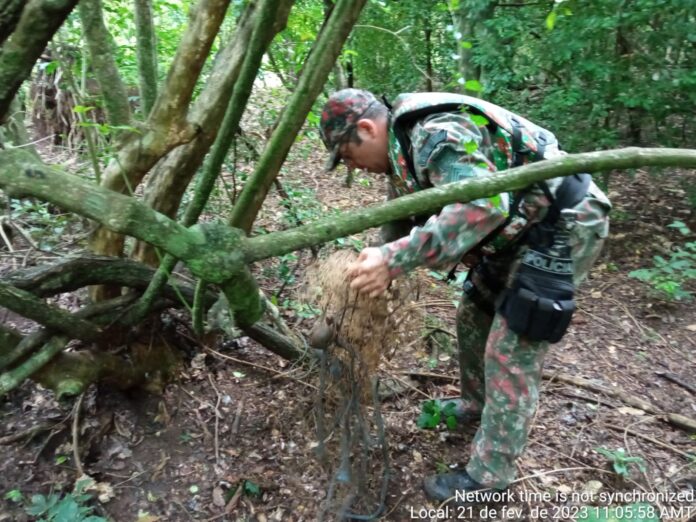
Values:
[(234, 439)]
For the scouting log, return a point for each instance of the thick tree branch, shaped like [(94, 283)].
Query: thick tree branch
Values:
[(431, 200), (146, 48), (315, 72), (26, 304), (172, 176), (22, 175), (10, 11), (259, 42), (202, 248), (167, 126), (100, 45), (40, 19), (69, 274), (172, 103)]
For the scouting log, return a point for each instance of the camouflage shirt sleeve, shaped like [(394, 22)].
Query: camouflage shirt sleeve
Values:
[(447, 148)]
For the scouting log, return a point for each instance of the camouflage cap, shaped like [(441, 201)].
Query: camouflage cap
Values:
[(340, 117)]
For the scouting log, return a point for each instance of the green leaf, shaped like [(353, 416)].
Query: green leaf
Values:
[(51, 67), (251, 489), (480, 121), (473, 85), (454, 5), (466, 45), (81, 109), (470, 147), (428, 421), (451, 422), (551, 20), (14, 495)]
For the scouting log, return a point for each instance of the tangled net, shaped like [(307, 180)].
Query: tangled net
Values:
[(351, 337)]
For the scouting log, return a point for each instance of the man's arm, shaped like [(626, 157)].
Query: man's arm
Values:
[(446, 148)]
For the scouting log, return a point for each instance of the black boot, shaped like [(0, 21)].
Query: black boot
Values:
[(444, 486)]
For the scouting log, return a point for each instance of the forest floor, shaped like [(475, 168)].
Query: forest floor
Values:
[(171, 457)]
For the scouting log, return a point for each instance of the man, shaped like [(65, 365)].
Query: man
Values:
[(432, 139)]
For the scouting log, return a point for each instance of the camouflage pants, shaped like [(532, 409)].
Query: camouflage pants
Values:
[(501, 374)]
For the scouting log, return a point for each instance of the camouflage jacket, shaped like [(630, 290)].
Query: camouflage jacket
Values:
[(453, 146)]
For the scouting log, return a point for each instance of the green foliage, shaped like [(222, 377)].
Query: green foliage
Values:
[(433, 412), (668, 276), (36, 218), (70, 507), (14, 496), (621, 462), (251, 488)]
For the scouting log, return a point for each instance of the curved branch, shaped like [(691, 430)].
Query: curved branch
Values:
[(314, 74), (431, 200), (39, 20), (229, 85), (10, 11), (30, 306)]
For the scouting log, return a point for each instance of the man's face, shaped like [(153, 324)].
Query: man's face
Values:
[(372, 152)]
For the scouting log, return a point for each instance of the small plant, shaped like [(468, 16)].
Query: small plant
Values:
[(69, 507), (669, 276), (433, 413), (621, 461)]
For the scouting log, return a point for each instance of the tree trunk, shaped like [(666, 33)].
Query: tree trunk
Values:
[(315, 72), (39, 20), (427, 33), (469, 19), (14, 132), (101, 52), (167, 125), (146, 48), (10, 11), (172, 176)]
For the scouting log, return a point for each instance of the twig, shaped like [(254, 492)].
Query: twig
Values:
[(253, 365), (30, 432), (76, 434), (402, 41), (411, 386), (634, 433), (428, 375), (23, 233), (676, 419), (178, 503), (237, 417), (9, 245), (676, 380), (217, 419)]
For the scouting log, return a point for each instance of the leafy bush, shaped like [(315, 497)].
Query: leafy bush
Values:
[(669, 276), (70, 507), (621, 462), (434, 412)]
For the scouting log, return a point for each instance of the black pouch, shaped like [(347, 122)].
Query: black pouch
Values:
[(539, 304)]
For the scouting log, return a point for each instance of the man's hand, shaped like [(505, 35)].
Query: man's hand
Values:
[(370, 272)]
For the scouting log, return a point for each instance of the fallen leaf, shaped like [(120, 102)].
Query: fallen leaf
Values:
[(417, 457), (144, 516), (218, 497), (592, 488), (691, 327)]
